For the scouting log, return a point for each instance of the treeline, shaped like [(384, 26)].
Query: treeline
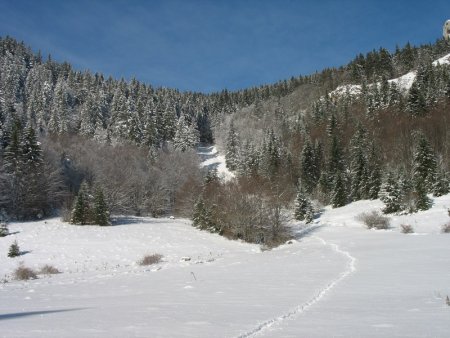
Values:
[(61, 129), (352, 146), (43, 179)]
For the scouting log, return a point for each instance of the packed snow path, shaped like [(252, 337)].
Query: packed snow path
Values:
[(339, 279), (305, 306)]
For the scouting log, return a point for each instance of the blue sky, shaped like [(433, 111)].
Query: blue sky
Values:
[(211, 45)]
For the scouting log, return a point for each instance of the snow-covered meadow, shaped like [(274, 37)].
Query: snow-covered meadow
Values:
[(336, 279)]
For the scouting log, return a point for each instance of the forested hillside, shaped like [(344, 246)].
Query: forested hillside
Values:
[(292, 140)]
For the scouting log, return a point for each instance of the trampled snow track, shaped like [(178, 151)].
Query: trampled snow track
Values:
[(351, 267)]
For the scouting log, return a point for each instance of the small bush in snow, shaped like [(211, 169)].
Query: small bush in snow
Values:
[(150, 259), (4, 230), (14, 250), (24, 273), (374, 220), (407, 229), (446, 228), (49, 270)]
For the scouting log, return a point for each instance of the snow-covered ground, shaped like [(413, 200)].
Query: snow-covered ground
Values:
[(213, 160), (337, 279)]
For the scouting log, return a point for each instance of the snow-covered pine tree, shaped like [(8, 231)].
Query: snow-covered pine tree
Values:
[(186, 135), (201, 216), (424, 171), (358, 165), (308, 169), (301, 205), (391, 195), (422, 202), (232, 148), (339, 194), (374, 169), (32, 175), (416, 104), (441, 185)]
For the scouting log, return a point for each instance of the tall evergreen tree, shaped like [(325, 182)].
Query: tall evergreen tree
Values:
[(80, 211), (391, 195), (424, 171), (339, 194), (232, 148), (308, 169), (101, 213)]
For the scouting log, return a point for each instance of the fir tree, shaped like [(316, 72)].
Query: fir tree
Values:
[(416, 100), (80, 211), (358, 165), (339, 195), (422, 202), (308, 173), (441, 185), (101, 213), (4, 230), (232, 149), (201, 216), (186, 136), (14, 250), (301, 205), (424, 171), (391, 195)]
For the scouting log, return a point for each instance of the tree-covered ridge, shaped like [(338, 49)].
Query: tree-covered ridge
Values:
[(286, 141), (54, 98), (342, 147)]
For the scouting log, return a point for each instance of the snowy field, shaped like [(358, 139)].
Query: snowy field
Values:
[(337, 279)]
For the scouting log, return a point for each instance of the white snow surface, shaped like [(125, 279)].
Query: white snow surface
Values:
[(336, 279), (213, 160), (403, 82)]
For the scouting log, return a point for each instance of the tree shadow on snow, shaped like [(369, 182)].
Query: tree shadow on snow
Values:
[(123, 220), (16, 315)]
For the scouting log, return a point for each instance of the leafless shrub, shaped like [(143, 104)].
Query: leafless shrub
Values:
[(446, 228), (24, 273), (406, 229), (49, 270), (374, 220), (151, 259)]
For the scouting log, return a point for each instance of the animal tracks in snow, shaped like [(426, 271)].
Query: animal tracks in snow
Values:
[(351, 267)]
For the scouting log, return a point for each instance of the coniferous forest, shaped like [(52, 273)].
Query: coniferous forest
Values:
[(83, 146)]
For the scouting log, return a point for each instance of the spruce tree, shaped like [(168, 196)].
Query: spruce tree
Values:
[(201, 217), (232, 149), (308, 173), (358, 165), (4, 231), (391, 195), (80, 211), (339, 194), (441, 185), (301, 205), (101, 213), (422, 202), (14, 250), (424, 171)]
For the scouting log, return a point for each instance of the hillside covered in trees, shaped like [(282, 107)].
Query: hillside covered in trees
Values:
[(289, 143)]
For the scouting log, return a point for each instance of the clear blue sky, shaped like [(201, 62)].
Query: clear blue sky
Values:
[(211, 45)]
